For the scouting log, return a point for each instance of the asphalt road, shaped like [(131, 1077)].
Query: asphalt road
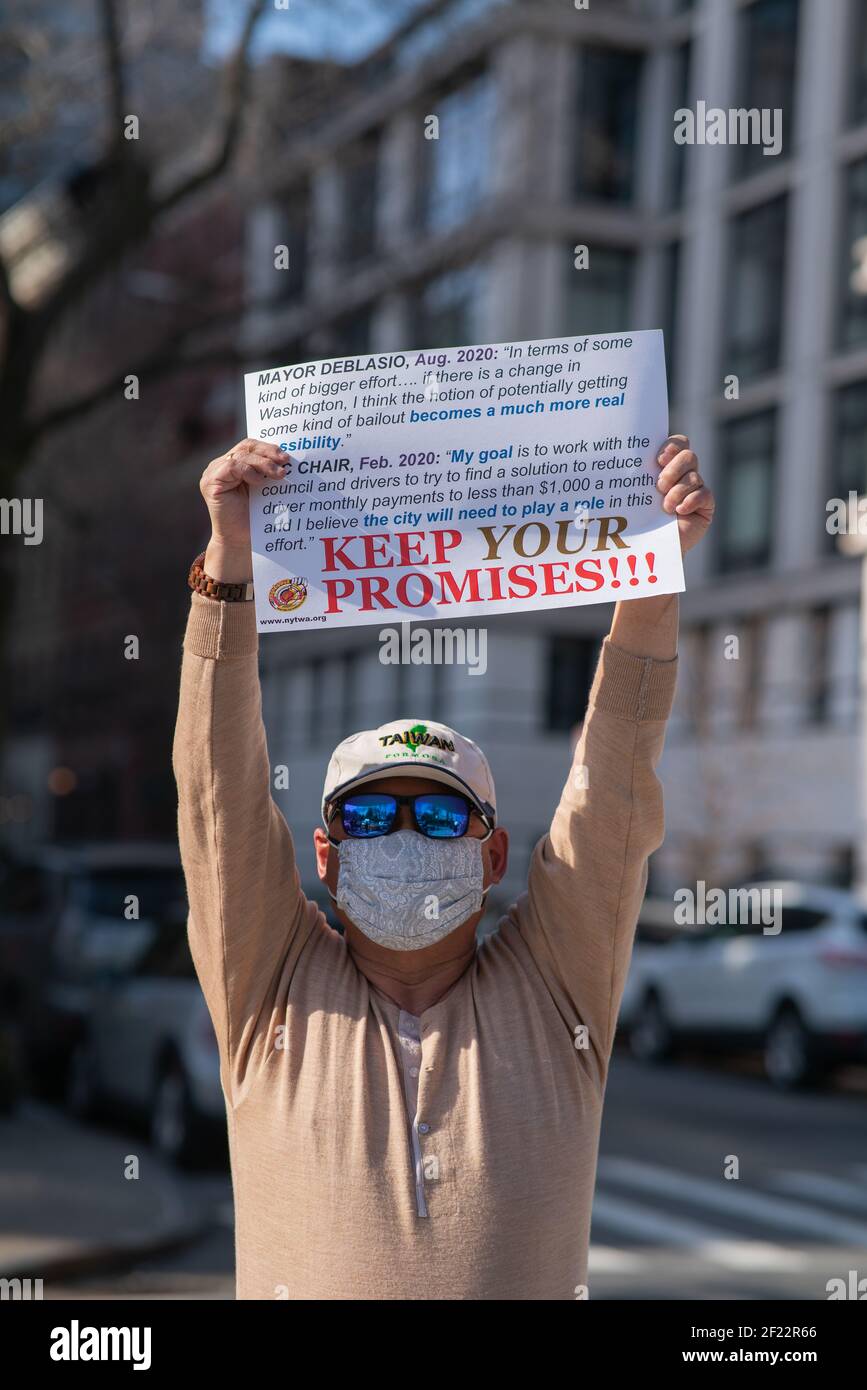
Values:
[(668, 1224)]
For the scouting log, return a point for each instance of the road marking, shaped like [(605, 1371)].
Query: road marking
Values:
[(706, 1242), (608, 1259), (834, 1191), (729, 1197), (632, 1219)]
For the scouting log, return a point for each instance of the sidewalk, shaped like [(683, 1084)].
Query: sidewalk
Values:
[(66, 1206)]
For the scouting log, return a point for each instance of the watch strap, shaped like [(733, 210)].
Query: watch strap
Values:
[(202, 583)]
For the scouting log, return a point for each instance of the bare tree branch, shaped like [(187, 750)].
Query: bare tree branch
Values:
[(237, 85), (135, 207), (154, 367), (7, 299), (114, 70), (158, 362)]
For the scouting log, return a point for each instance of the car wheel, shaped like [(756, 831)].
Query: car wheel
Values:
[(174, 1128), (650, 1037), (82, 1097), (789, 1054)]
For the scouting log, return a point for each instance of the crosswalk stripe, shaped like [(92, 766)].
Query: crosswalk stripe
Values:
[(609, 1259), (630, 1218), (727, 1197), (834, 1191), (618, 1214)]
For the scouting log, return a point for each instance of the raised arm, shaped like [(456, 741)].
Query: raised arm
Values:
[(589, 873), (245, 897)]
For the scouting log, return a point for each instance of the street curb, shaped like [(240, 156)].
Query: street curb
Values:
[(110, 1257), (177, 1223)]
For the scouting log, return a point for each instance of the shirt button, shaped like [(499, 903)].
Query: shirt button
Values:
[(423, 1129), (413, 1071)]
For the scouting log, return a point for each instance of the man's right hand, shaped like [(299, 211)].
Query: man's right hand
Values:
[(225, 488)]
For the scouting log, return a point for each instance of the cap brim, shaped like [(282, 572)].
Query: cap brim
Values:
[(414, 769)]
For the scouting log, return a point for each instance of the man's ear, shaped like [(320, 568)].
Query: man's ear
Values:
[(498, 854), (322, 846)]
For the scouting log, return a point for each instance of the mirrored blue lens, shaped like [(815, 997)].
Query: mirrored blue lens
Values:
[(369, 813), (442, 817)]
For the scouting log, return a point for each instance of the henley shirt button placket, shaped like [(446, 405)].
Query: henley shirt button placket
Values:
[(410, 1047)]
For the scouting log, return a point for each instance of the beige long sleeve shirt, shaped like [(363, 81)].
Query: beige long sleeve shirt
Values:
[(376, 1155)]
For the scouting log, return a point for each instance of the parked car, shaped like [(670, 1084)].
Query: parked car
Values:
[(116, 1018), (148, 1050), (799, 993), (96, 907), (24, 932), (656, 927)]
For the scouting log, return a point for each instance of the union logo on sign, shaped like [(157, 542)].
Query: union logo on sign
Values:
[(287, 594)]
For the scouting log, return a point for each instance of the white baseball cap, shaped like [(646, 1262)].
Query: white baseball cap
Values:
[(412, 748)]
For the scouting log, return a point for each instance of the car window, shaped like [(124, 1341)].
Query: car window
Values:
[(801, 919), (168, 956), (22, 890), (99, 939), (103, 892), (774, 921), (105, 948)]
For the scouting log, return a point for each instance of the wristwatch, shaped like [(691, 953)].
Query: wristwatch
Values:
[(202, 583)]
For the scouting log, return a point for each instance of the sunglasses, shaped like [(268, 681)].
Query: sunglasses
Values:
[(438, 815)]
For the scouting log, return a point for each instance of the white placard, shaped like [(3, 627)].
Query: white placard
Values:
[(475, 480)]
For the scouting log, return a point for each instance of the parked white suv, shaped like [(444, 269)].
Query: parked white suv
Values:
[(799, 994)]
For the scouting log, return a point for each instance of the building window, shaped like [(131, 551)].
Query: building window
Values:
[(698, 697), (769, 39), (853, 308), (681, 86), (438, 692), (571, 662), (359, 201), (849, 453), (398, 686), (858, 58), (350, 675), (609, 82), (454, 170), (751, 672), (352, 333), (756, 284), (599, 299), (292, 232), (446, 311), (819, 667), (745, 535), (317, 700), (668, 303)]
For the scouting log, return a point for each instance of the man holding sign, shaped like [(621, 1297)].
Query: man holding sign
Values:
[(498, 478), (410, 1116)]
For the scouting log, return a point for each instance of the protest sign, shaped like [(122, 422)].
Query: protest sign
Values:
[(488, 479)]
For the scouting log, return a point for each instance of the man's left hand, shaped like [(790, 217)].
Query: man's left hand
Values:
[(684, 493)]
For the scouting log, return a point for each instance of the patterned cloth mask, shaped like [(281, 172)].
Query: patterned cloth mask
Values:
[(405, 890)]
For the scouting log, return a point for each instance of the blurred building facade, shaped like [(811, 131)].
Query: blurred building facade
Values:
[(88, 716), (556, 130)]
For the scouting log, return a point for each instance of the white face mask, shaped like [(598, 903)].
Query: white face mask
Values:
[(405, 890)]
